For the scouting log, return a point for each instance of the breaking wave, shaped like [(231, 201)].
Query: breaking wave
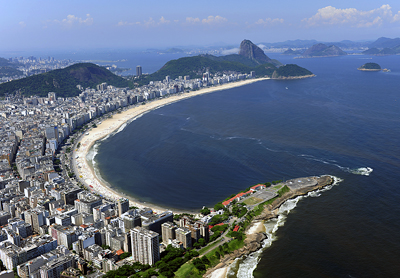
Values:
[(364, 171)]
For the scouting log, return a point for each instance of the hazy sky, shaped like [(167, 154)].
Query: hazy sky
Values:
[(83, 24)]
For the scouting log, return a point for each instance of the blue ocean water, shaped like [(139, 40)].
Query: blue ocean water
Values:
[(199, 151)]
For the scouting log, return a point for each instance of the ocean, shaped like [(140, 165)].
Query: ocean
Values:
[(343, 122)]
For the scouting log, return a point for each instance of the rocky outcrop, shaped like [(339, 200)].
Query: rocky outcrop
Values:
[(253, 242), (253, 52)]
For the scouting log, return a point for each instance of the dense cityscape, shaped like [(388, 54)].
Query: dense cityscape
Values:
[(50, 220)]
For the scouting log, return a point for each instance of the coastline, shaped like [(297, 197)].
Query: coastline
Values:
[(255, 233), (86, 172), (294, 77)]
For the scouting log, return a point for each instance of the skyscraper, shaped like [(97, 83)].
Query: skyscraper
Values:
[(138, 71), (145, 246)]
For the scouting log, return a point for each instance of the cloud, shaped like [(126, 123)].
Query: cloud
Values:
[(269, 21), (214, 20), (352, 17), (70, 21), (230, 51), (396, 17), (164, 21), (22, 24), (192, 20), (147, 23), (210, 20)]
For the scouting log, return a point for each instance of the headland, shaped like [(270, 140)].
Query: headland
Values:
[(86, 173), (255, 232)]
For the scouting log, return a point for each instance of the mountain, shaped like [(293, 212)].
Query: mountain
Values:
[(371, 51), (292, 44), (9, 69), (253, 52), (291, 52), (322, 50), (385, 51), (197, 65), (64, 81), (385, 43)]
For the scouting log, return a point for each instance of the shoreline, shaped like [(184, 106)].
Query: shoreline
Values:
[(255, 232), (86, 173)]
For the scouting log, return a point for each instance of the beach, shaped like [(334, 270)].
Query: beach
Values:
[(86, 173)]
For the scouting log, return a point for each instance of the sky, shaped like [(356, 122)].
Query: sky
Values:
[(95, 24)]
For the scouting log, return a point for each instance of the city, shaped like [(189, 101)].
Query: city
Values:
[(50, 221)]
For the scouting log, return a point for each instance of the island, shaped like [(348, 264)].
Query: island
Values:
[(291, 52), (370, 67)]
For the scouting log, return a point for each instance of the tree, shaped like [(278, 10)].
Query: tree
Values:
[(202, 242), (205, 211), (219, 206)]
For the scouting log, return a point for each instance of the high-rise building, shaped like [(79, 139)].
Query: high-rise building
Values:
[(52, 133), (145, 246), (168, 231), (123, 206), (138, 71), (184, 235)]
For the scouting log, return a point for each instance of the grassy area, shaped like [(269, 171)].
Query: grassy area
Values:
[(208, 247), (252, 201), (278, 187), (189, 270)]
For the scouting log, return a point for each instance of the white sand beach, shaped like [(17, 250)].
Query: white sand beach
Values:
[(86, 172), (256, 227), (219, 273)]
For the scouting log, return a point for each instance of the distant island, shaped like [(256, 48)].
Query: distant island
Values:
[(291, 52), (322, 50), (372, 67)]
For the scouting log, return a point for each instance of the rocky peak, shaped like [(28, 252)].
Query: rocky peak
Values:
[(253, 52)]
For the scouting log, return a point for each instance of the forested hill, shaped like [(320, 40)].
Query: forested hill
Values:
[(197, 65), (64, 81)]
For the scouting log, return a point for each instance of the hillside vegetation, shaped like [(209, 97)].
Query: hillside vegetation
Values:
[(64, 81), (290, 70)]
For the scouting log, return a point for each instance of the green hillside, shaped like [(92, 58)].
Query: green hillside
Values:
[(290, 70), (197, 65), (64, 81)]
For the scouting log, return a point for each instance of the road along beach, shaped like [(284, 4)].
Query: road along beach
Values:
[(86, 173)]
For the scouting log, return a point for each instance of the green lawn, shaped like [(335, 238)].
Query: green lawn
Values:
[(252, 201), (278, 186)]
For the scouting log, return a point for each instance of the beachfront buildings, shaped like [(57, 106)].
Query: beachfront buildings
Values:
[(45, 207), (145, 246)]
